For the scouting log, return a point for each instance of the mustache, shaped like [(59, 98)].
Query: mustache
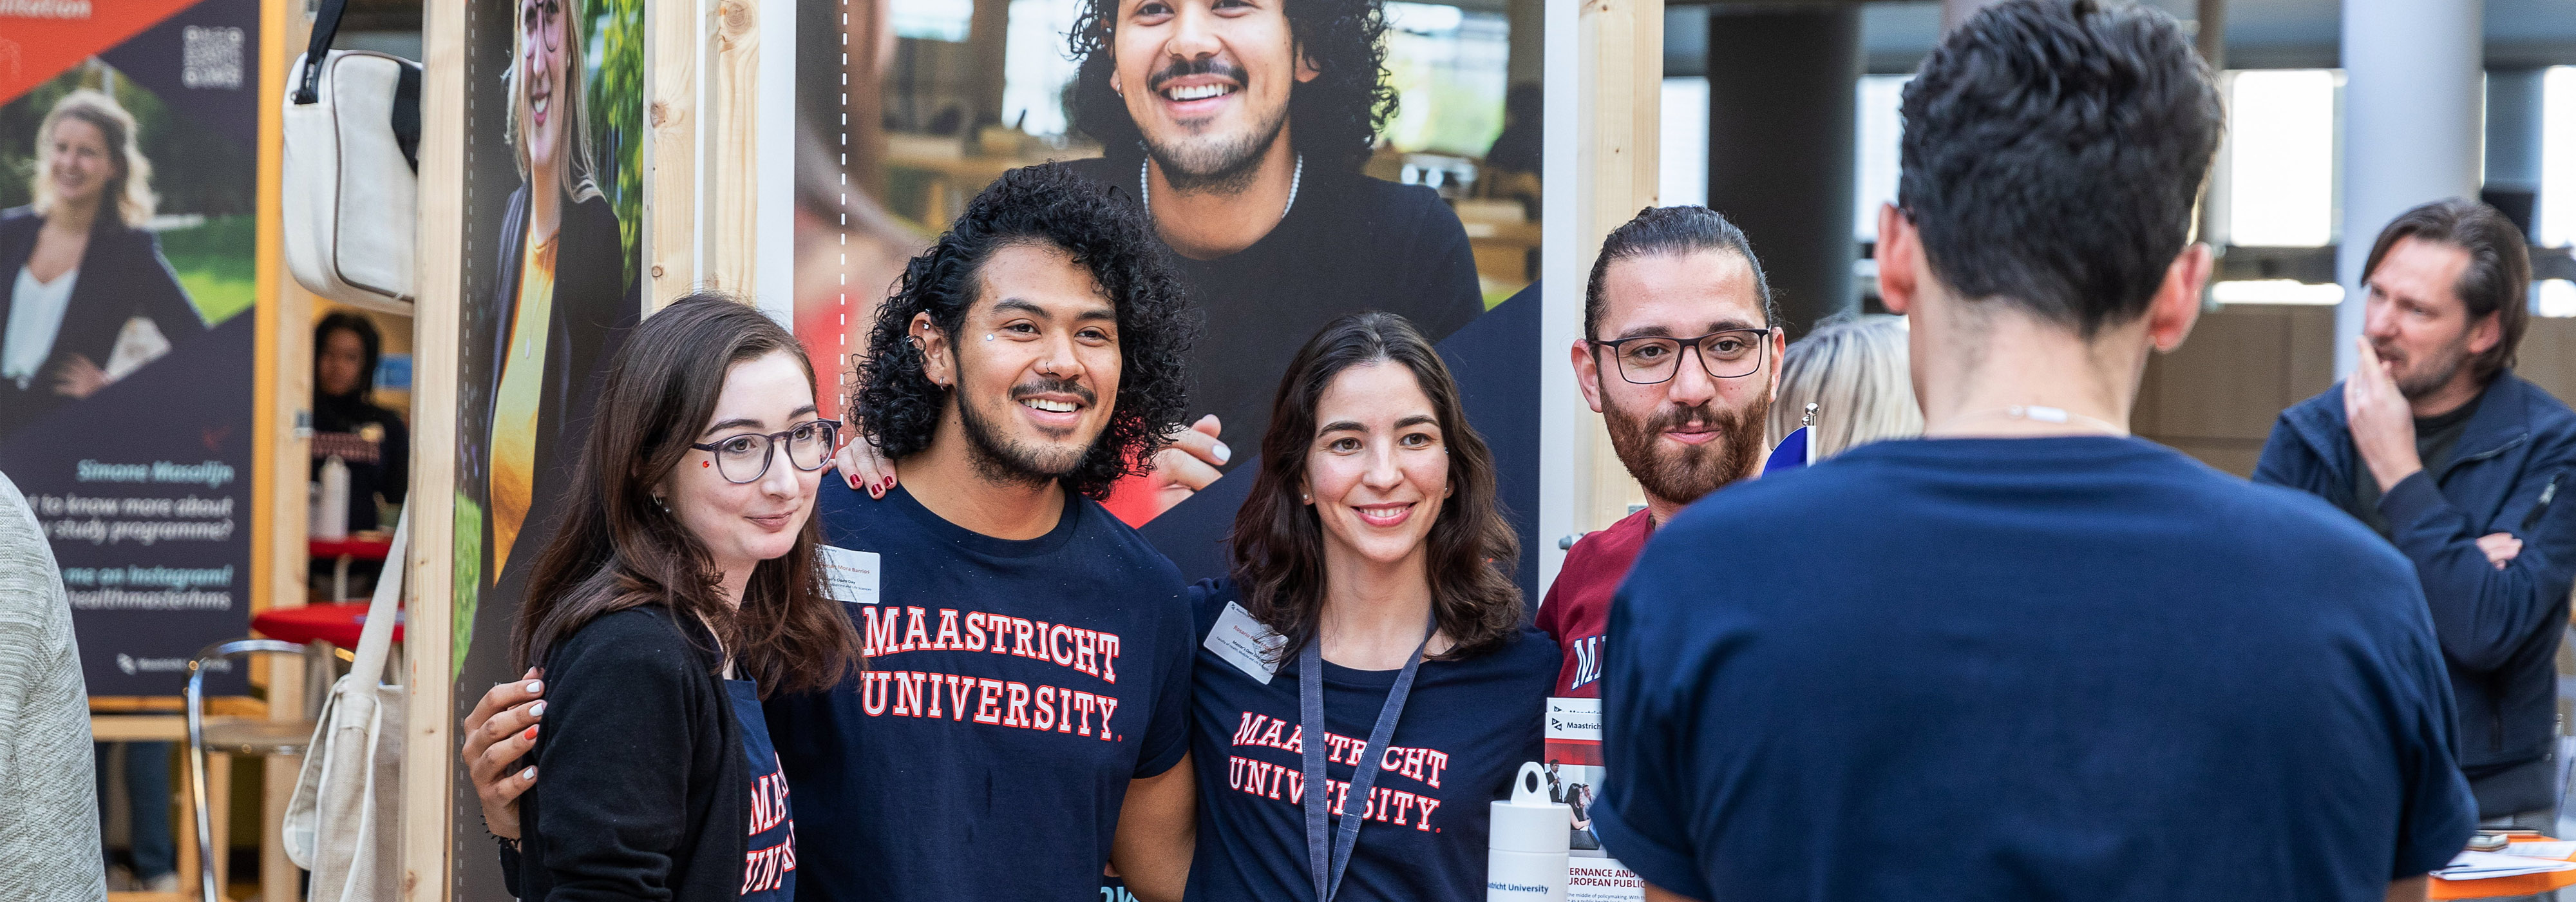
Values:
[(1186, 68), (1045, 386), (1706, 416)]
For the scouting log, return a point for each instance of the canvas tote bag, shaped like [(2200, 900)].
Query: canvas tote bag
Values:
[(344, 822)]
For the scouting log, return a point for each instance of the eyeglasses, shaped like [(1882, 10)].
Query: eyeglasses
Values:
[(544, 17), (1653, 359), (745, 458)]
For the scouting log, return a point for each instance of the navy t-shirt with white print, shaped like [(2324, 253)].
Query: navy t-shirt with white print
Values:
[(2046, 668), (1465, 732), (1013, 689), (769, 847)]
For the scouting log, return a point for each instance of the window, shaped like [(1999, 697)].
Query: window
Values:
[(2281, 157), (1880, 131), (936, 20), (1449, 67), (1036, 71), (1681, 164)]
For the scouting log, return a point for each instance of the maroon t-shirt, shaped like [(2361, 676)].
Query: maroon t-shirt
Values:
[(1576, 610)]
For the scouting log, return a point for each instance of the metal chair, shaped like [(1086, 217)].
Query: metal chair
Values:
[(243, 736)]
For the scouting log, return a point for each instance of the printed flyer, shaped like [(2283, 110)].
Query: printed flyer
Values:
[(1574, 775)]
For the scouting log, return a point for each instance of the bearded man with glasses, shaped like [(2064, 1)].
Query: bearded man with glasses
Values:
[(1680, 356)]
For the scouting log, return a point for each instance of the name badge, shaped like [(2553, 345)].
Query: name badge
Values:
[(1246, 643), (849, 576)]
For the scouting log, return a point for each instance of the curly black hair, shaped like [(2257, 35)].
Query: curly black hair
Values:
[(1333, 120), (898, 406)]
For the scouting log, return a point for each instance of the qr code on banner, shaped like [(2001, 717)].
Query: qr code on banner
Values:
[(210, 57)]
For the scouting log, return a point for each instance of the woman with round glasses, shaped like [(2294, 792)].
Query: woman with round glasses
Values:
[(682, 588)]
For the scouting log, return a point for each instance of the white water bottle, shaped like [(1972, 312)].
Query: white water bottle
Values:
[(331, 505), (1527, 857)]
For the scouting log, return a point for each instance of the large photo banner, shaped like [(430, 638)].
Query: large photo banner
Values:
[(128, 280), (1301, 161), (553, 205), (1370, 155)]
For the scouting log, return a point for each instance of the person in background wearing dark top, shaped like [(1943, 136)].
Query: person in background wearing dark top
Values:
[(564, 291), (1680, 356), (2030, 656), (85, 296), (1242, 126), (683, 587), (2440, 448), (1024, 721), (1370, 634), (348, 424)]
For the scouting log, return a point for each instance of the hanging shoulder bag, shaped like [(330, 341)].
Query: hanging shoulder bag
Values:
[(351, 173)]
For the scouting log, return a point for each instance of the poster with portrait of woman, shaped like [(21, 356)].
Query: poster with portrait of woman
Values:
[(1300, 160), (553, 206), (128, 275)]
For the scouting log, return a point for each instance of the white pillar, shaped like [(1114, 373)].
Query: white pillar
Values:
[(2412, 126)]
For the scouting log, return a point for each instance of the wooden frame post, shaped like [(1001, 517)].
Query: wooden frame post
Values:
[(1605, 75), (429, 744)]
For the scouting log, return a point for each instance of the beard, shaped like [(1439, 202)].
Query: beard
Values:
[(1006, 460), (2431, 373), (1682, 473), (1211, 164)]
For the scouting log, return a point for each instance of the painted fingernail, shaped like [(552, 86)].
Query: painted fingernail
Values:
[(877, 493), (851, 478), (537, 710), (1223, 453), (887, 483), (529, 733), (535, 686), (529, 774)]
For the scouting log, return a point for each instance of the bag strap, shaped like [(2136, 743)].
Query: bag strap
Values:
[(326, 26), (376, 638)]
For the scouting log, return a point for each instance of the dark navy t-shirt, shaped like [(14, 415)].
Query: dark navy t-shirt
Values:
[(769, 849), (1464, 733), (1013, 689), (2059, 668)]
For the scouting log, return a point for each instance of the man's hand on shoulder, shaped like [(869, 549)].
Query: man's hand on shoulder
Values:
[(2383, 426)]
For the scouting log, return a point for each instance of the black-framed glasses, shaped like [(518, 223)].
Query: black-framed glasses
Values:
[(1653, 359), (544, 17), (744, 459)]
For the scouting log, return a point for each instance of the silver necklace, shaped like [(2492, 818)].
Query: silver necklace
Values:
[(2041, 413), (1145, 184)]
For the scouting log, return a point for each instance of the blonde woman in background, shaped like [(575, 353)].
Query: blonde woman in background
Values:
[(85, 296), (1854, 370)]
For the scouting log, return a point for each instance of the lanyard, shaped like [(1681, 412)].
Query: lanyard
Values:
[(1310, 691)]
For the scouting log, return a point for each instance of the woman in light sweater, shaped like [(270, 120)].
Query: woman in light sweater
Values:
[(49, 830)]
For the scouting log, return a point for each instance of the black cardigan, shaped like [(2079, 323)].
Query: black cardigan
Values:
[(643, 791), (122, 276)]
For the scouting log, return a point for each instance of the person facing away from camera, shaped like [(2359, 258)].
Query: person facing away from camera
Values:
[(2030, 656)]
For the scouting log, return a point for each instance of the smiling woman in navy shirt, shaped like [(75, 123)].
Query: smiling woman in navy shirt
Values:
[(1370, 639)]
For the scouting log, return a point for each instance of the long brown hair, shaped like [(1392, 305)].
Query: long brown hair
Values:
[(1278, 542), (618, 549)]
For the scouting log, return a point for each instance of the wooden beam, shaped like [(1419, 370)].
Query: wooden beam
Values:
[(732, 148), (286, 324), (428, 749), (1619, 130), (671, 53)]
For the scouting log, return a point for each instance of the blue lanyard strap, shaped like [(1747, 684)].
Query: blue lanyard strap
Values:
[(1310, 692)]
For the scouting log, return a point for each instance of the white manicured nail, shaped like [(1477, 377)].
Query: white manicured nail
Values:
[(535, 686), (537, 710), (1223, 453), (529, 774)]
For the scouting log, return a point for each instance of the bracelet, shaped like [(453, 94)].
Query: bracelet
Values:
[(509, 843)]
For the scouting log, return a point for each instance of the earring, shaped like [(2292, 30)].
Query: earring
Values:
[(659, 502), (1306, 498)]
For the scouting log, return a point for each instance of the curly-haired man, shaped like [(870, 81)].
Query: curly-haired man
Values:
[(1029, 654), (1024, 716), (1242, 125)]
